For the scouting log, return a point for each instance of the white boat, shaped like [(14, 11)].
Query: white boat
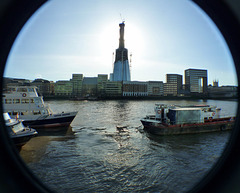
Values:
[(17, 131), (25, 103)]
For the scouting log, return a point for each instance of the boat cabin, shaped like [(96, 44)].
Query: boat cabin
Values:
[(176, 114), (24, 101)]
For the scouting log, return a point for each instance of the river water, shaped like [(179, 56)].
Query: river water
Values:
[(95, 157)]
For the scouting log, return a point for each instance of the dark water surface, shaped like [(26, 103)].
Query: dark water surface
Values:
[(96, 157)]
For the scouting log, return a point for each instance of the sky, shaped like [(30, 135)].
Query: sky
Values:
[(164, 37)]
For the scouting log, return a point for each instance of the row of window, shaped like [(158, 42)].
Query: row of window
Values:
[(134, 88), (20, 89), (18, 101), (14, 113), (134, 94)]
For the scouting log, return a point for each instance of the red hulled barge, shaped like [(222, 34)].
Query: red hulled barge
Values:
[(175, 120)]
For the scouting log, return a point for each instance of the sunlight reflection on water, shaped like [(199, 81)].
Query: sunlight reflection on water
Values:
[(97, 157)]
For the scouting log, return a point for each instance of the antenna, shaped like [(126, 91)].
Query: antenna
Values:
[(123, 20), (130, 62)]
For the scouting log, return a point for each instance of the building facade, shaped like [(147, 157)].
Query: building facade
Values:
[(173, 85), (155, 88), (101, 84), (134, 88), (77, 80), (222, 92), (89, 86), (113, 89), (63, 88), (196, 80)]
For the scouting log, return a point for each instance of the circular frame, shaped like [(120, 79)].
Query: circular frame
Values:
[(15, 175)]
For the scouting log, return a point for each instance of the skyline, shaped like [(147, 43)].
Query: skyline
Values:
[(62, 39)]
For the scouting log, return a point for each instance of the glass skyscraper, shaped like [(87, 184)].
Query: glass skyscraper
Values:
[(121, 71), (196, 80)]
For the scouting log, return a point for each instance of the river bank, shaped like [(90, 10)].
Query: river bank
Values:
[(139, 98)]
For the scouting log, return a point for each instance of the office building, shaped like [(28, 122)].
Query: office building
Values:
[(113, 89), (63, 88), (89, 86), (173, 85), (135, 88), (155, 88), (77, 80), (196, 80), (101, 84)]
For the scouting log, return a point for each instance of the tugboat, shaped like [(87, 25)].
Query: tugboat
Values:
[(176, 120), (18, 132), (24, 101)]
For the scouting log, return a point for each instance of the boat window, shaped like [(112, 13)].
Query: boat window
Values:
[(10, 113), (14, 113), (30, 90), (16, 101), (8, 90), (17, 128), (24, 101), (31, 101), (22, 90), (8, 101), (36, 112)]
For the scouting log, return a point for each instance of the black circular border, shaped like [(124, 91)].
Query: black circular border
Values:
[(14, 174), (225, 175)]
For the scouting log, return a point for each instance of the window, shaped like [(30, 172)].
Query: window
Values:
[(36, 112), (16, 101), (22, 89), (24, 101), (14, 113), (8, 101), (30, 89)]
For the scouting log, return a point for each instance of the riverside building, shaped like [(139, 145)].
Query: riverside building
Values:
[(77, 80), (135, 88), (101, 84), (63, 88), (173, 85), (155, 88), (196, 80), (89, 86)]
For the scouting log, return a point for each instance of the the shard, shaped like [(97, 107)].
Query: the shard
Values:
[(121, 71)]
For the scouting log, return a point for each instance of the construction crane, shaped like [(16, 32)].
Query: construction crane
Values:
[(113, 60), (130, 62)]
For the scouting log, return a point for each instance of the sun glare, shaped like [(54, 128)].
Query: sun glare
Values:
[(109, 39), (134, 40)]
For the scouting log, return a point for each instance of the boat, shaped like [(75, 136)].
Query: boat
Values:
[(18, 132), (24, 102), (176, 120)]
